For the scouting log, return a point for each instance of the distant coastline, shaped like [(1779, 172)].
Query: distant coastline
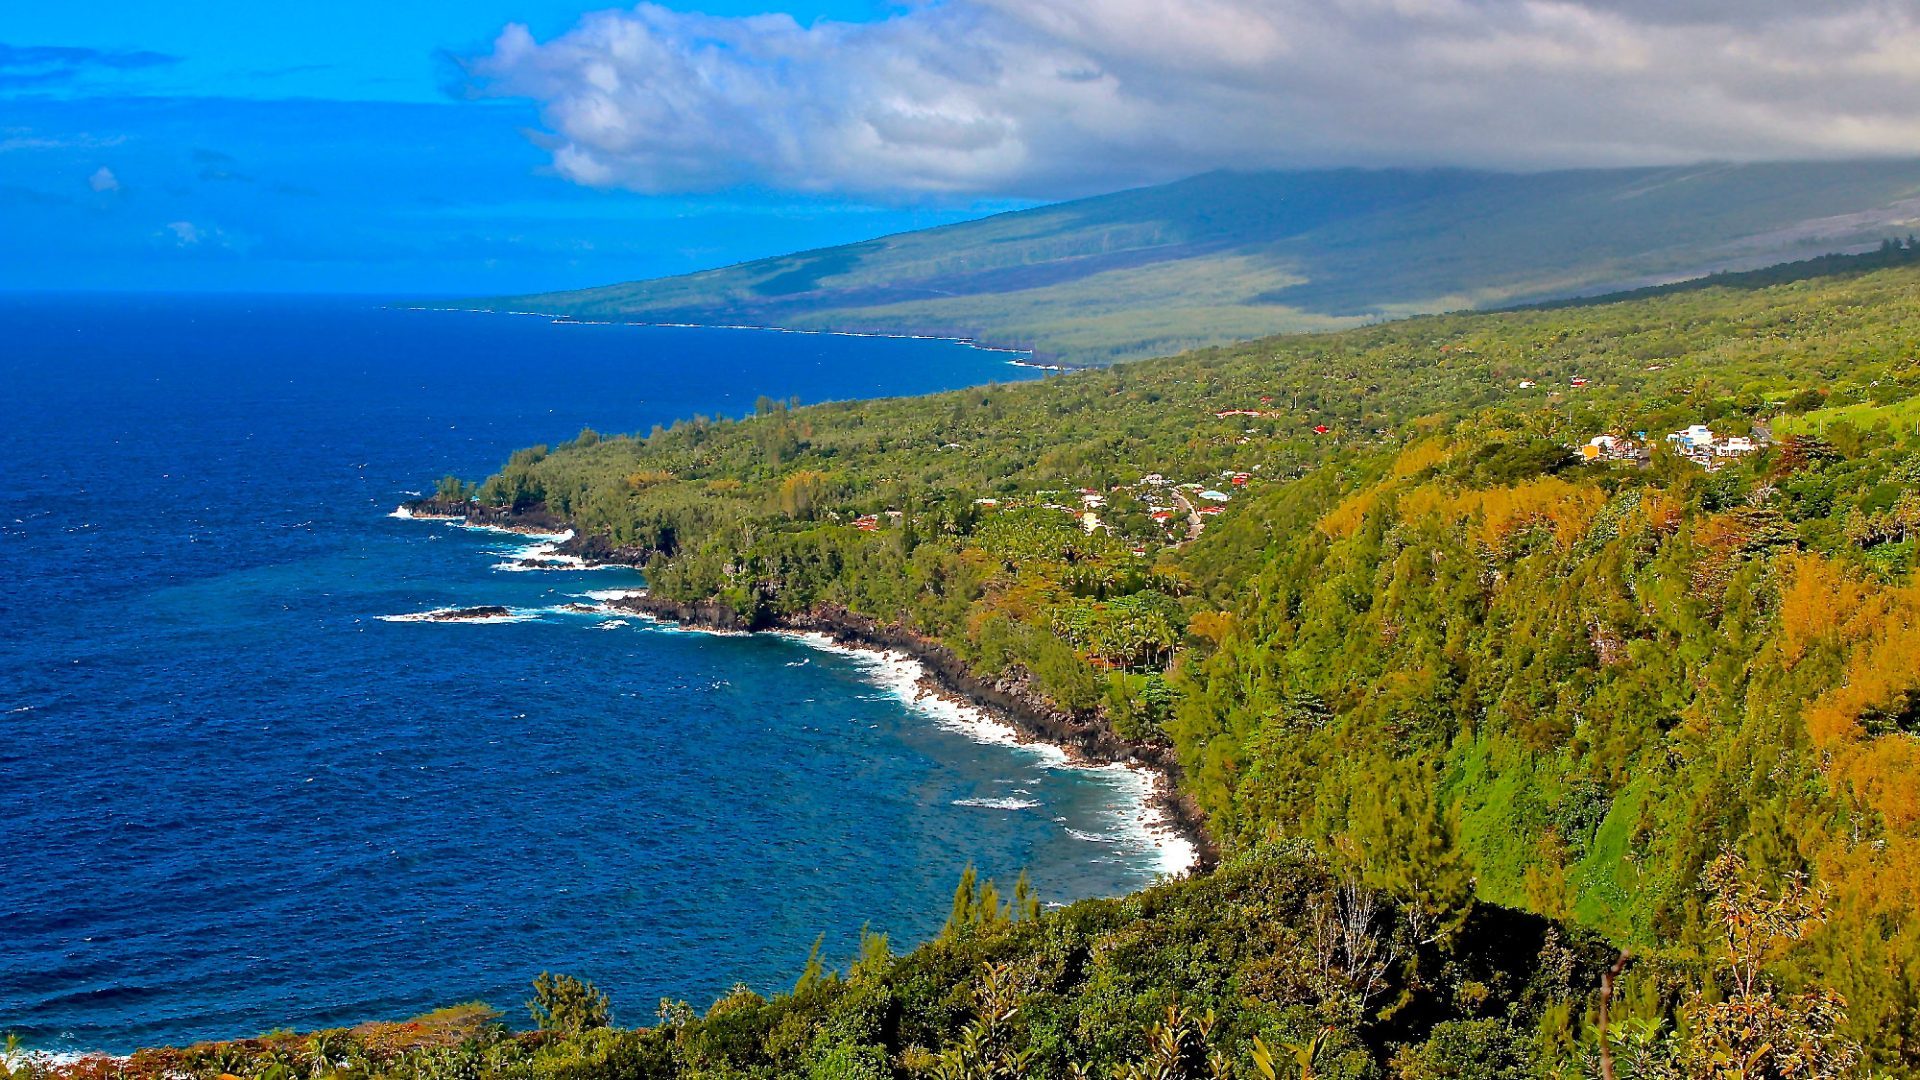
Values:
[(560, 319)]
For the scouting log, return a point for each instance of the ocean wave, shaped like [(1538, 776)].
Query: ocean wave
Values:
[(30, 1059), (545, 555), (608, 596), (999, 804), (1149, 827), (560, 537), (406, 513)]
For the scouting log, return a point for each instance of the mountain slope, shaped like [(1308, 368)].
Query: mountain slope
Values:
[(1230, 256)]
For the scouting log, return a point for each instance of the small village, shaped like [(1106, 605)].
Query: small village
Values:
[(1175, 512)]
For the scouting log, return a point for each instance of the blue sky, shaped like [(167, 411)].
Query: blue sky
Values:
[(501, 146), (318, 147)]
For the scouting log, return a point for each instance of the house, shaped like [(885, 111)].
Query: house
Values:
[(867, 523), (1216, 496), (1240, 479), (1579, 381), (1697, 438), (1161, 515), (1527, 384), (1321, 429), (1699, 445), (1213, 509)]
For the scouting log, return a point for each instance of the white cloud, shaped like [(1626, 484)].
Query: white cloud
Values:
[(203, 237), (1014, 97), (103, 180)]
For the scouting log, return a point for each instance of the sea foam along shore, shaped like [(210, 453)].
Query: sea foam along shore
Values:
[(1147, 824), (913, 682)]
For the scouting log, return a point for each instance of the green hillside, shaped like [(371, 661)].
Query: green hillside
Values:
[(1231, 256)]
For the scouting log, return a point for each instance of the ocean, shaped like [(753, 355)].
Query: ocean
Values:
[(237, 795)]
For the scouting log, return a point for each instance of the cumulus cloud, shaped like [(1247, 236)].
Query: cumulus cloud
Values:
[(1012, 97), (103, 180)]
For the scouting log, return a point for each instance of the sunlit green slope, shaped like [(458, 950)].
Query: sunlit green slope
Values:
[(1230, 256)]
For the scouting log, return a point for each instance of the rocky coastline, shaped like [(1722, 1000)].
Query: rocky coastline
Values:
[(1010, 699)]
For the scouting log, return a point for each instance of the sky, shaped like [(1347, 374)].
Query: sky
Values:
[(500, 146), (229, 146)]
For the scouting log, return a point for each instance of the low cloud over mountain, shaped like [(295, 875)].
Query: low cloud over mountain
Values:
[(1047, 100)]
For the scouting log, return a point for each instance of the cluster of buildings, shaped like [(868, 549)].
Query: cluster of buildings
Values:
[(1701, 446), (1178, 507), (1697, 443)]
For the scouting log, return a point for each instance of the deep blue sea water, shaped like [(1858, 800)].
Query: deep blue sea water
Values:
[(233, 798)]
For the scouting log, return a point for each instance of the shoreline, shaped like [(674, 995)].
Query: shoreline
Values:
[(562, 319), (1152, 818), (1174, 823), (1010, 704)]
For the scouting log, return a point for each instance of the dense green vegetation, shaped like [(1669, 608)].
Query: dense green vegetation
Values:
[(1229, 256), (1460, 665), (1522, 766)]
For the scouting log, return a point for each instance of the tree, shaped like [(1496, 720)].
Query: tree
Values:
[(977, 905), (565, 1005), (986, 1048), (452, 489), (801, 493), (1757, 1030)]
